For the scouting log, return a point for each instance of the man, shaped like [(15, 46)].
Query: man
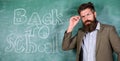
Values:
[(94, 41)]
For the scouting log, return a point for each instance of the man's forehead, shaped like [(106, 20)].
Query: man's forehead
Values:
[(86, 11)]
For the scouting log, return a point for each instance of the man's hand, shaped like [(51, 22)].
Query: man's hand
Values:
[(73, 21)]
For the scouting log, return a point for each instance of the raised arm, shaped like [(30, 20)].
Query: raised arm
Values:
[(69, 42)]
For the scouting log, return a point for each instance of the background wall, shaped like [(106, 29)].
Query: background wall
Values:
[(32, 30)]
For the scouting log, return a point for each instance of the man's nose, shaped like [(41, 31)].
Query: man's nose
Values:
[(86, 18)]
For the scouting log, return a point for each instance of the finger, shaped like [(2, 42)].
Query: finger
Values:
[(78, 17), (75, 19)]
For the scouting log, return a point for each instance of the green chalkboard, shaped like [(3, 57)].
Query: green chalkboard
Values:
[(32, 30)]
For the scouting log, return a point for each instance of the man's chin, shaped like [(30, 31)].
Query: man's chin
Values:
[(89, 27), (87, 24)]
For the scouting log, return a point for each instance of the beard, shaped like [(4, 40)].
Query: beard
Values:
[(91, 26)]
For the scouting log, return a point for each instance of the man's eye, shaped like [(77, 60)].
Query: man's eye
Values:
[(88, 14), (83, 16)]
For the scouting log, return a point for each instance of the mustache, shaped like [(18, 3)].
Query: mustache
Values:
[(88, 21)]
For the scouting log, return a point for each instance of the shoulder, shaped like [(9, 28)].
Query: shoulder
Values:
[(107, 26)]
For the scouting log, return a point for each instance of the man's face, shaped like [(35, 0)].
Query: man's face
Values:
[(87, 16)]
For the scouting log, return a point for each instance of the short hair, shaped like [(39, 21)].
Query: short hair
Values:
[(85, 6)]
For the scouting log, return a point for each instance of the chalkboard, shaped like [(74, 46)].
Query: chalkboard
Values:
[(32, 30)]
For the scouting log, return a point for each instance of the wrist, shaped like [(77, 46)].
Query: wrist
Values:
[(69, 30)]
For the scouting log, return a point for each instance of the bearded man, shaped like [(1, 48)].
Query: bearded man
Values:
[(94, 41)]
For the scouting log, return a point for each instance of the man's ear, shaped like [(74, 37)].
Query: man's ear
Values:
[(95, 14)]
